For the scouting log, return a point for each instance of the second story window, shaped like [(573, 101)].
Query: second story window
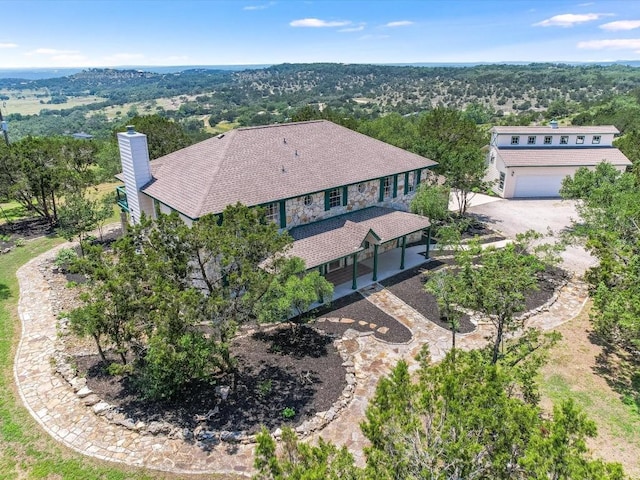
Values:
[(596, 139), (531, 140), (335, 197), (272, 212), (515, 140), (387, 186), (564, 139), (547, 140), (580, 139)]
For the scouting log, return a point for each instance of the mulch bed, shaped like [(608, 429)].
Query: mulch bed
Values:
[(26, 228), (275, 371), (358, 308), (409, 287)]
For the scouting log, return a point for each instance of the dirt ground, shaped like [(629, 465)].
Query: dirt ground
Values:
[(572, 372)]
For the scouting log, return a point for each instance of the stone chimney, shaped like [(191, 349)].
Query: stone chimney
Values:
[(134, 156)]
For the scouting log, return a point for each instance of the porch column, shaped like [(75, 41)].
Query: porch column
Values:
[(375, 262), (428, 243), (354, 284), (404, 248)]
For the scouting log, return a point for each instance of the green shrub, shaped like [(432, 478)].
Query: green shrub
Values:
[(288, 413)]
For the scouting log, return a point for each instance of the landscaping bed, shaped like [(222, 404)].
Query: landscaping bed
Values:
[(409, 287), (356, 307), (280, 380)]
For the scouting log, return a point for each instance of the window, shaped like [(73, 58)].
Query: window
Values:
[(361, 187), (596, 139), (387, 186), (308, 200), (564, 139), (580, 139), (501, 184), (272, 212), (335, 197), (335, 265), (492, 158), (515, 140), (531, 140), (411, 182), (547, 140)]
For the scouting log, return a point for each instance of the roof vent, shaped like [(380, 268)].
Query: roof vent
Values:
[(296, 153), (220, 136), (553, 124), (284, 140), (131, 129)]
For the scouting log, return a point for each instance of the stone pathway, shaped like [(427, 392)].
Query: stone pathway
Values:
[(63, 415)]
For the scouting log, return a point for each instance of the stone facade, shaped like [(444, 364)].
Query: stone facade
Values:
[(311, 208)]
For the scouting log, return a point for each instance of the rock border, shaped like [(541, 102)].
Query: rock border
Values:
[(61, 365)]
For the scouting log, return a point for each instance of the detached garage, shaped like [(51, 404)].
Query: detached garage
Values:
[(532, 162), (537, 186)]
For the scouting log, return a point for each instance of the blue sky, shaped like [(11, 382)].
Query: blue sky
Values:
[(92, 33)]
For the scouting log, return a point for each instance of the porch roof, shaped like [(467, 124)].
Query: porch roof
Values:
[(327, 240)]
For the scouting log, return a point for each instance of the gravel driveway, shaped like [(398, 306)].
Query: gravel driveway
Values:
[(511, 217)]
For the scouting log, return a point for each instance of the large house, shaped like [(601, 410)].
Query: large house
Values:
[(342, 196), (532, 161)]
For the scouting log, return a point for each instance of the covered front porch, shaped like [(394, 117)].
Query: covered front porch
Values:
[(362, 247), (389, 264)]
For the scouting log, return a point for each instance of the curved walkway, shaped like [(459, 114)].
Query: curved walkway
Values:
[(62, 414)]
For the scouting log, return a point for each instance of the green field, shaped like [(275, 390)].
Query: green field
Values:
[(27, 102)]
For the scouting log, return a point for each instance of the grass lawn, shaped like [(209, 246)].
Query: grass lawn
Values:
[(25, 450), (11, 211), (571, 372)]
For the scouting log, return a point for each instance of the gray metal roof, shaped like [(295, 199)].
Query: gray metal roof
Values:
[(547, 130)]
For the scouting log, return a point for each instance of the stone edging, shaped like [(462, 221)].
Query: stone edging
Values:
[(113, 414)]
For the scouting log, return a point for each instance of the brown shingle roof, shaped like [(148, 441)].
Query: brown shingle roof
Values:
[(321, 242), (561, 157), (545, 129), (258, 165)]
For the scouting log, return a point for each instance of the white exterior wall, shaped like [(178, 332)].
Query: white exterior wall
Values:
[(513, 173), (504, 140), (493, 170), (134, 157)]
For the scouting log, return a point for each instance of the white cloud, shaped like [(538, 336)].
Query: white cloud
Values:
[(8, 45), (259, 7), (612, 44), (52, 51), (359, 28), (69, 59), (400, 23), (588, 4), (570, 19), (317, 23), (621, 25)]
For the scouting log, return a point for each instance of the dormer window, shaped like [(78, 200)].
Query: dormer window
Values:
[(580, 139), (564, 139), (596, 139), (531, 140), (515, 140), (548, 139)]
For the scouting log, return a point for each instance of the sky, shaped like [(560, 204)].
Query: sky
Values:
[(110, 33)]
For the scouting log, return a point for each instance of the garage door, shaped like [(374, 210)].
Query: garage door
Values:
[(538, 186)]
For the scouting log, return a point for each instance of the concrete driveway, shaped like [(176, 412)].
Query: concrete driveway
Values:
[(511, 217)]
